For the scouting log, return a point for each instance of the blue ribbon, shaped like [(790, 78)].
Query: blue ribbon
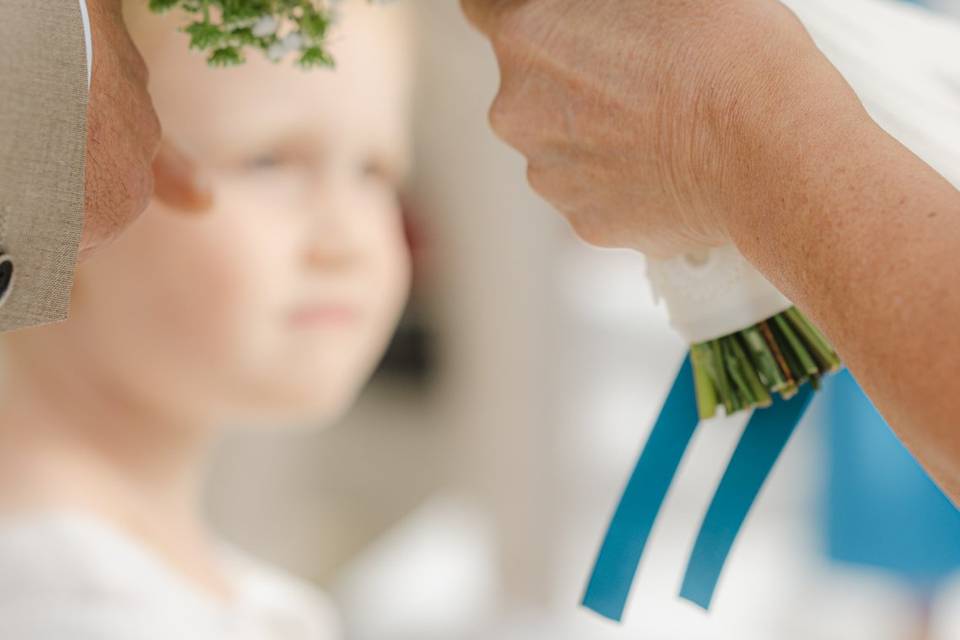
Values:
[(760, 445), (627, 535)]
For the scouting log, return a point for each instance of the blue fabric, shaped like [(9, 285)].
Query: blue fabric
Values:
[(881, 509)]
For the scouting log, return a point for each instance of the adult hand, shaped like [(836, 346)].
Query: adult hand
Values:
[(178, 181), (123, 137), (659, 123), (652, 124)]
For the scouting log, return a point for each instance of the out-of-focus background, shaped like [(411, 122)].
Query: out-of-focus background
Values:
[(466, 494)]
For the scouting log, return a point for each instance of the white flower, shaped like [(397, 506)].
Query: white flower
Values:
[(292, 42), (265, 26), (276, 51)]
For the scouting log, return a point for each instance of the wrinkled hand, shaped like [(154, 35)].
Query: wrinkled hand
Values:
[(644, 122), (123, 139)]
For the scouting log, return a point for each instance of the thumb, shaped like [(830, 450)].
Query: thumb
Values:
[(178, 181)]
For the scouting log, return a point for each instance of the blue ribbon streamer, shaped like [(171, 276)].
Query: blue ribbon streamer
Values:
[(633, 520), (760, 446)]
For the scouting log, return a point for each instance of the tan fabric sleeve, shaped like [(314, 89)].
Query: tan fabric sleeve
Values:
[(43, 103)]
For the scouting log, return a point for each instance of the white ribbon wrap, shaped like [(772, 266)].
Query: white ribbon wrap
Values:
[(714, 293)]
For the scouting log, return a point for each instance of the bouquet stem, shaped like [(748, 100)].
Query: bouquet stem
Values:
[(742, 370)]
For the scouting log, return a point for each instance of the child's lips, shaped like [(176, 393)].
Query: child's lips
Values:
[(324, 314)]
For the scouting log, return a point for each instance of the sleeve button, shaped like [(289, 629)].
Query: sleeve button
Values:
[(6, 277)]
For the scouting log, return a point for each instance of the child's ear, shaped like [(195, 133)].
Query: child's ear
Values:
[(179, 182)]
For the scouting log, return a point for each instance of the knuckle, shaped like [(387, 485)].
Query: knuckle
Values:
[(538, 179), (588, 229), (471, 10), (500, 115), (509, 119)]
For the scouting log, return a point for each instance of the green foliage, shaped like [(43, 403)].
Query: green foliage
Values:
[(224, 29), (225, 57), (315, 57)]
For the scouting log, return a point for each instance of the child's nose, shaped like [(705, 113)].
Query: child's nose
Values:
[(333, 238)]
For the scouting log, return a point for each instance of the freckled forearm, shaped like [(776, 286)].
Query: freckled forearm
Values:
[(865, 238)]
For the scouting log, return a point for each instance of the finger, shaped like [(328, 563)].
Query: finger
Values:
[(179, 182), (483, 14)]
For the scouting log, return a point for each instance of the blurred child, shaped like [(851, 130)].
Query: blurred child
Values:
[(272, 309)]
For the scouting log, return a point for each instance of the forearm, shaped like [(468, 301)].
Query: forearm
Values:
[(865, 239)]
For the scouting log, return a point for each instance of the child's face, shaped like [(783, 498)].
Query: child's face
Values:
[(282, 298)]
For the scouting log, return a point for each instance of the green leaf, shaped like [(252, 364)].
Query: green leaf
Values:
[(204, 35), (159, 6), (225, 57), (315, 57), (313, 23)]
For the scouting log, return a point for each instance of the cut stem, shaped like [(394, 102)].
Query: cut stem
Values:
[(742, 370)]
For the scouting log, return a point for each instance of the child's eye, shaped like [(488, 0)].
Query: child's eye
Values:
[(378, 171), (263, 161)]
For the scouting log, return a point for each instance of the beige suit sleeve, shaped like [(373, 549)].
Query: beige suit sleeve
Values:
[(43, 104)]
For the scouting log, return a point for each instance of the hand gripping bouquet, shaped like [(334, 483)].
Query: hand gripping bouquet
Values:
[(747, 340), (750, 348)]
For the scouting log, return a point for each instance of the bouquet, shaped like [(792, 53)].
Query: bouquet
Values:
[(748, 342), (750, 348)]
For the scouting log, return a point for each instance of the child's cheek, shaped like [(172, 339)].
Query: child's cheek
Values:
[(246, 267)]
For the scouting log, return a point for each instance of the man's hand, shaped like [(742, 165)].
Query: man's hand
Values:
[(123, 137), (178, 182), (651, 124)]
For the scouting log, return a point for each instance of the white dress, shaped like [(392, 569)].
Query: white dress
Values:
[(903, 61), (66, 575)]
